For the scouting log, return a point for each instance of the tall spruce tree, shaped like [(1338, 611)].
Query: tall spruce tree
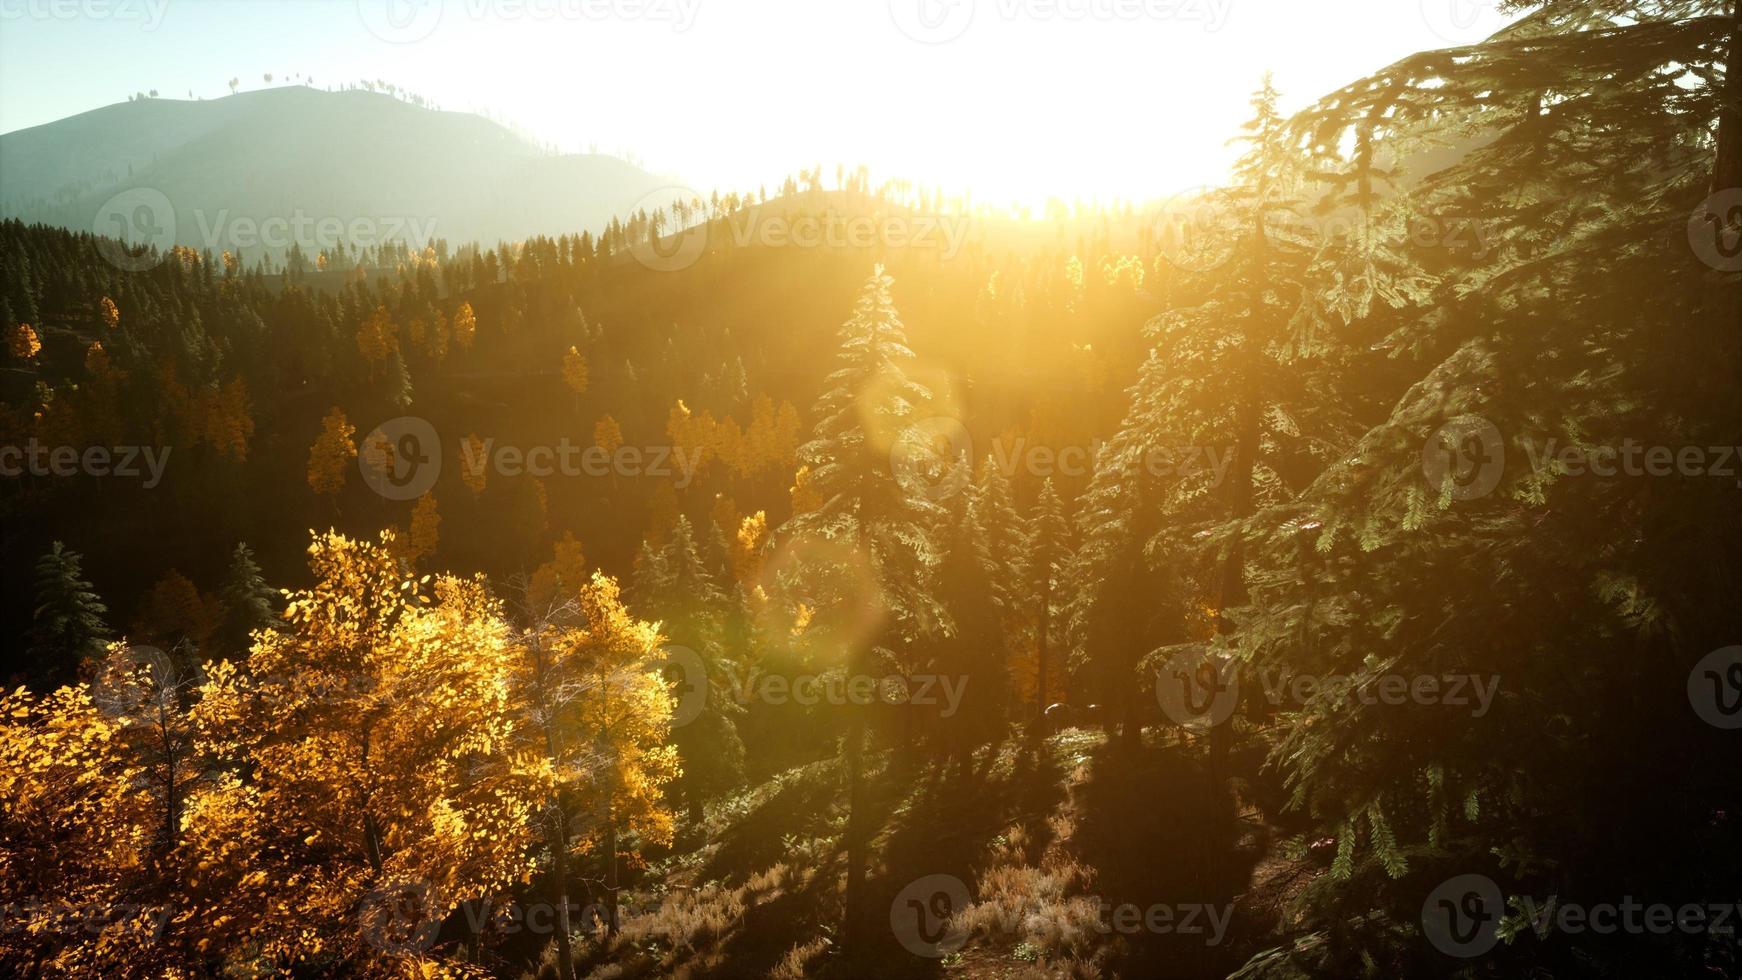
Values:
[(1045, 556), (246, 602), (1588, 133), (692, 613), (865, 415), (972, 651), (67, 630)]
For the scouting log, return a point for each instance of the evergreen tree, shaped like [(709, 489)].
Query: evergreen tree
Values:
[(692, 612), (67, 630), (1005, 538), (246, 602), (1045, 555), (972, 650), (865, 412), (1587, 322)]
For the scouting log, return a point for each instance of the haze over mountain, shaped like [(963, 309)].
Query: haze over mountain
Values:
[(360, 166)]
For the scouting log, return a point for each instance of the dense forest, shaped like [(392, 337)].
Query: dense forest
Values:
[(1333, 573)]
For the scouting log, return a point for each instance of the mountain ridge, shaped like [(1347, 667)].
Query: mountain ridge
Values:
[(310, 161)]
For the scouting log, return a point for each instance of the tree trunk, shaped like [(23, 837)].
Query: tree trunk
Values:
[(559, 870), (1727, 163), (1040, 648), (611, 871), (852, 901), (1234, 568)]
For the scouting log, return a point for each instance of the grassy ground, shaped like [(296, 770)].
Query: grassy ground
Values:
[(1049, 837)]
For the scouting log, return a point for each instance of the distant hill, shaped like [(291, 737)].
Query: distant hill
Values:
[(367, 165)]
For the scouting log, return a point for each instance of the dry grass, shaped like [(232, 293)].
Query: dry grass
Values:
[(792, 966)]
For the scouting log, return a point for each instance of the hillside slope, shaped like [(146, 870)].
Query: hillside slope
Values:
[(370, 166)]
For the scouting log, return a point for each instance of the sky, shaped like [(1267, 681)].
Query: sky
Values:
[(1014, 101)]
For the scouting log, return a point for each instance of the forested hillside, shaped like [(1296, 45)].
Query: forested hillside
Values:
[(1333, 573)]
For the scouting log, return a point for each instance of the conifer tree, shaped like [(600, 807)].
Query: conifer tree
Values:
[(691, 611), (1045, 556), (67, 629), (246, 603), (971, 651), (869, 403)]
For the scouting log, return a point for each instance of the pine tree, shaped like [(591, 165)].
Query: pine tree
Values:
[(1005, 538), (67, 630), (246, 603), (868, 405), (1587, 137), (972, 649), (1045, 555)]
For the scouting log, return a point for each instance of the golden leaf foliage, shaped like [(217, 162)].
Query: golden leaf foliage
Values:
[(24, 342), (174, 611), (747, 549), (622, 723), (561, 578), (473, 463), (77, 822), (425, 532), (575, 371), (607, 435), (220, 416), (769, 443), (109, 312), (378, 741), (377, 336), (465, 327), (330, 456)]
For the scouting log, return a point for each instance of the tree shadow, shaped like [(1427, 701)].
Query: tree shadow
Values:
[(1169, 855)]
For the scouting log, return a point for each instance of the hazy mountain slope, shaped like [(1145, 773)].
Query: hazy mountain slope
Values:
[(381, 167)]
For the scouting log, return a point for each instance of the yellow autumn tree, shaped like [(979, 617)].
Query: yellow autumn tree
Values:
[(575, 371), (607, 435), (174, 612), (747, 546), (24, 343), (376, 774), (99, 398), (558, 580), (77, 835), (109, 312), (425, 531), (804, 495), (330, 456), (473, 463), (377, 337), (465, 327), (622, 727)]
